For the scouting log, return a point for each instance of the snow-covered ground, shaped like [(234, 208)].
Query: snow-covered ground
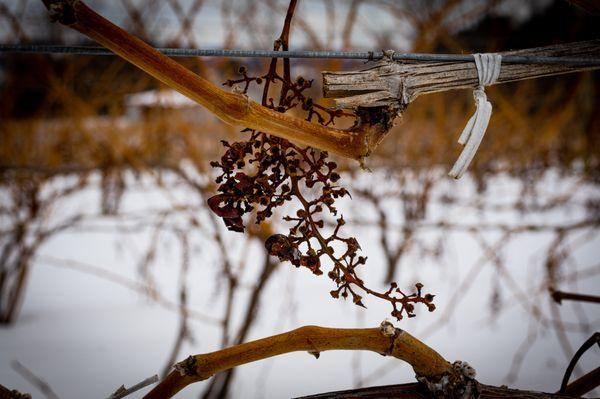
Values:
[(85, 335)]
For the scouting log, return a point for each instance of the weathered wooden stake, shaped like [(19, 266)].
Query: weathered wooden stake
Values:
[(394, 83)]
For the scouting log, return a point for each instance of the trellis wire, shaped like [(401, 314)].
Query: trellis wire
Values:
[(358, 55)]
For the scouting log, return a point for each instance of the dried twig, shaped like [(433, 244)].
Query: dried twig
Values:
[(133, 285), (34, 380), (584, 384), (559, 296), (184, 329), (580, 387), (121, 392)]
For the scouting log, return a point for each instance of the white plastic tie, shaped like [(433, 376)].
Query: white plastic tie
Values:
[(488, 69)]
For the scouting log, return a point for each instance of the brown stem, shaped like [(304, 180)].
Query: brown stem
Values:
[(384, 340), (559, 296), (418, 391), (350, 276), (231, 108), (285, 39), (584, 384)]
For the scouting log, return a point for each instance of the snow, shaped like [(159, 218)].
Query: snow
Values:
[(85, 335), (159, 98)]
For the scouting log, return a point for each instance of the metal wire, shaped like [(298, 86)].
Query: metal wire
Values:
[(358, 55)]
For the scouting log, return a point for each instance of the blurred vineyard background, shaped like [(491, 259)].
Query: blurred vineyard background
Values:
[(112, 267)]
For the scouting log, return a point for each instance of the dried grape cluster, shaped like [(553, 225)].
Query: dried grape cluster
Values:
[(266, 172)]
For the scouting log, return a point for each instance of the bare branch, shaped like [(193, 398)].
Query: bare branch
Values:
[(417, 391), (584, 384), (559, 296), (587, 382), (34, 380), (232, 108), (135, 286), (121, 392), (386, 340)]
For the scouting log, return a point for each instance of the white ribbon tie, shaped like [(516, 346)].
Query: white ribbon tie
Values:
[(488, 69)]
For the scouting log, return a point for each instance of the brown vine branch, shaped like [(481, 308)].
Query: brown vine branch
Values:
[(559, 296), (232, 108), (584, 384), (587, 382), (385, 340), (418, 391)]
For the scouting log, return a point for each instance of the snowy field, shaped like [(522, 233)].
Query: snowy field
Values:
[(86, 335)]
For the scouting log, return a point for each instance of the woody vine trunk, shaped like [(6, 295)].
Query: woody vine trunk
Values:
[(232, 108)]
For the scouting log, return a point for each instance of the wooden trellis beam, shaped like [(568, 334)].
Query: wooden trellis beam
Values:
[(386, 83)]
